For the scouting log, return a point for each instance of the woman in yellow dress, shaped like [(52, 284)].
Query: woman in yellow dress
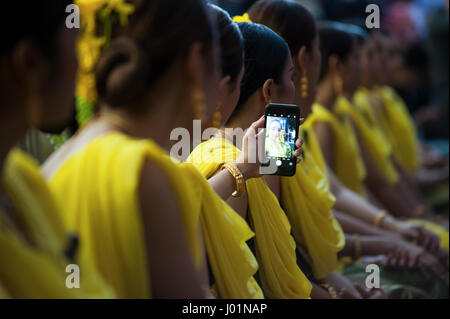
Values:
[(147, 219), (37, 74), (289, 19), (279, 273)]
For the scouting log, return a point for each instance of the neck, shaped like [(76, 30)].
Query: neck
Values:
[(155, 123), (326, 95), (305, 104), (251, 111)]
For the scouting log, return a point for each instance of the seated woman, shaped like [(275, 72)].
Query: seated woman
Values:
[(37, 74), (147, 219), (279, 273)]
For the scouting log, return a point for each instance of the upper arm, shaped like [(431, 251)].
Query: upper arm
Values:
[(172, 271), (374, 176), (324, 135)]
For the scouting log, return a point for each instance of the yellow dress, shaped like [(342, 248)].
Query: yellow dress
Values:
[(98, 186), (400, 128), (275, 248), (38, 270), (348, 164), (308, 201), (378, 147)]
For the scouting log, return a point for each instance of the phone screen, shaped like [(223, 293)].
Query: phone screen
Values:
[(282, 122)]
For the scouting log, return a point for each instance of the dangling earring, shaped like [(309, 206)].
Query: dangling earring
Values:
[(198, 101), (338, 85), (304, 85), (217, 117)]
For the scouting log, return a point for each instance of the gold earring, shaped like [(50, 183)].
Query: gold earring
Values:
[(198, 101), (338, 85), (304, 85), (217, 117)]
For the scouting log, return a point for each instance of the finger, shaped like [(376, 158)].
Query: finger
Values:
[(299, 142), (259, 123), (302, 120)]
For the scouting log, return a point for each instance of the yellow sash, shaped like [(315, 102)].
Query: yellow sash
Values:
[(307, 200), (38, 271), (364, 120), (98, 186), (348, 164), (400, 128), (275, 248)]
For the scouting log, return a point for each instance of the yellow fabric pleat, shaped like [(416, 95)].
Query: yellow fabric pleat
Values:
[(400, 128), (307, 200), (275, 247), (348, 164), (226, 232), (38, 270), (377, 145), (99, 188)]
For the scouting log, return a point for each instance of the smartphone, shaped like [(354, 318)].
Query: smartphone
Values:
[(281, 129)]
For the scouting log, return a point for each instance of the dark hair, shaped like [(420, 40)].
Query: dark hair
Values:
[(231, 43), (37, 20), (158, 33), (289, 19), (334, 40), (265, 54)]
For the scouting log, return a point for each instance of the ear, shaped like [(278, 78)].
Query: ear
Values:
[(194, 66), (302, 60), (224, 84), (268, 90), (333, 64), (28, 65)]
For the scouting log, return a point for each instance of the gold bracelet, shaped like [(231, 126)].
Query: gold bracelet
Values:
[(419, 211), (379, 218), (330, 290), (239, 178), (357, 243)]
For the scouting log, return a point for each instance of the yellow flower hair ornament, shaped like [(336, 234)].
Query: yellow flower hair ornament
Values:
[(89, 47), (243, 18)]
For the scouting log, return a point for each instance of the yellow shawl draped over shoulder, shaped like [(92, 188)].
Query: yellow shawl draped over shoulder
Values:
[(275, 248), (400, 128), (38, 269), (99, 188), (362, 116), (308, 201), (348, 164)]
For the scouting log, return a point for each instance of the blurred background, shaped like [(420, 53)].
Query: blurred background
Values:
[(420, 30)]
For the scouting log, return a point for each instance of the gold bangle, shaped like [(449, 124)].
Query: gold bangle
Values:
[(357, 243), (239, 178), (379, 218), (330, 290), (419, 211)]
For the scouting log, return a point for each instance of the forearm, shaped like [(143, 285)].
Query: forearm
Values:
[(352, 204), (223, 183), (352, 225), (338, 281)]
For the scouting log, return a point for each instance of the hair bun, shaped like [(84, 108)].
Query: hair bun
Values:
[(121, 72)]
